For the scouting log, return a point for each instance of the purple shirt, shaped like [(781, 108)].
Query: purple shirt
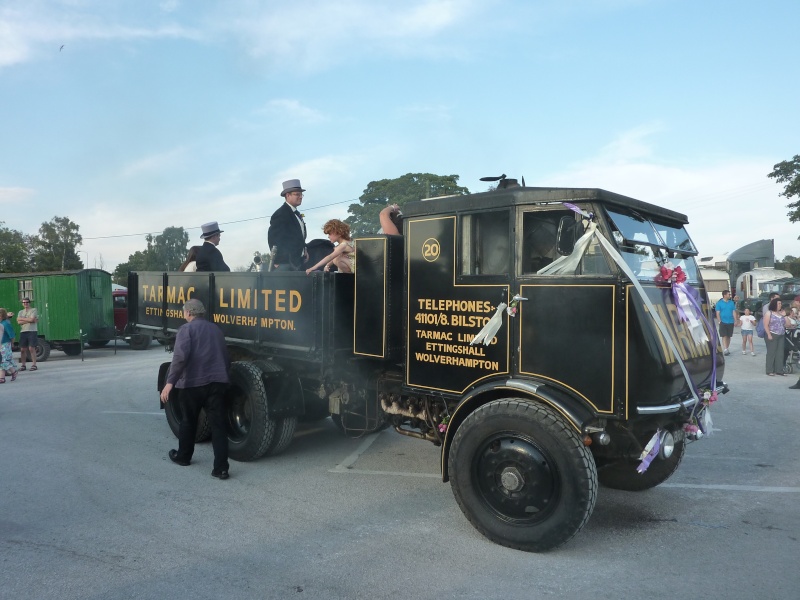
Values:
[(201, 356)]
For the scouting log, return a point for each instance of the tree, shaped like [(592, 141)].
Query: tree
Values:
[(788, 172), (136, 262), (164, 252), (412, 186), (14, 251), (168, 250), (54, 247)]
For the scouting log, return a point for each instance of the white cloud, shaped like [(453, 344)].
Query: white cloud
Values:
[(305, 34), (729, 203), (436, 113), (15, 195), (169, 5), (35, 29), (312, 35), (155, 163), (294, 110)]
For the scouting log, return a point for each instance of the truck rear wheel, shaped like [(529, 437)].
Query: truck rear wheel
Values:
[(42, 350), (250, 430), (522, 475), (284, 428), (623, 475), (71, 349)]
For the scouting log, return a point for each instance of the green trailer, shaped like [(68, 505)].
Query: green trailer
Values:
[(75, 307)]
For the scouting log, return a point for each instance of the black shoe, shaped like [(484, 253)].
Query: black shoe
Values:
[(796, 386), (173, 456), (220, 473)]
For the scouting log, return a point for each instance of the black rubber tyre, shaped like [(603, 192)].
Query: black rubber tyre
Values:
[(71, 349), (140, 341), (42, 350), (98, 343), (284, 434), (284, 428), (174, 414), (623, 475), (521, 475), (250, 430)]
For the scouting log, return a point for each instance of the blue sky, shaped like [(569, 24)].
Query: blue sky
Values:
[(177, 112)]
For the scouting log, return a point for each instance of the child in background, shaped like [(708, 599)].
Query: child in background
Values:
[(747, 322)]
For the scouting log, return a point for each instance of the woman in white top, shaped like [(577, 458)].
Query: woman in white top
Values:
[(190, 264)]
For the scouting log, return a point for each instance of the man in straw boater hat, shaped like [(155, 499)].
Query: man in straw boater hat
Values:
[(209, 258), (287, 230), (199, 372)]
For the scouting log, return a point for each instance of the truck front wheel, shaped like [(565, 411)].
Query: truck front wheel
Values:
[(522, 475), (250, 430)]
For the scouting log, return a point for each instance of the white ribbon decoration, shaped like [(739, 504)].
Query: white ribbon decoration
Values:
[(695, 325), (487, 333)]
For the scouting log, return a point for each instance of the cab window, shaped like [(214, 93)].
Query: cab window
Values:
[(485, 247), (550, 234)]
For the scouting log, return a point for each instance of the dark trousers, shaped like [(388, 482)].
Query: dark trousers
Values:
[(212, 398)]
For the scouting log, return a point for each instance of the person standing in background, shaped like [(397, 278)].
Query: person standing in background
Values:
[(6, 353), (29, 333), (774, 330), (747, 323), (209, 258), (726, 315), (287, 230), (199, 370)]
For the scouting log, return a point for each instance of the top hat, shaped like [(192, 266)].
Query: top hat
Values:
[(210, 230), (291, 185)]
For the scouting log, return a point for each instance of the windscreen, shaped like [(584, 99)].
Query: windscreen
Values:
[(648, 244)]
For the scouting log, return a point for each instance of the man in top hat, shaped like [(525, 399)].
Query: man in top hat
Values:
[(287, 230), (209, 258)]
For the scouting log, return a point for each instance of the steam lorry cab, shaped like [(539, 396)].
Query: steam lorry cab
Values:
[(548, 339)]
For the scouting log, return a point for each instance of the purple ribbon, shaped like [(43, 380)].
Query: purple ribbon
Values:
[(690, 294)]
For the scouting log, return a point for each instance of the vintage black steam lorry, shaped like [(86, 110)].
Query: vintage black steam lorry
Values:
[(547, 339)]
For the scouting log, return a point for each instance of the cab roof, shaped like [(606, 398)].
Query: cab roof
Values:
[(518, 196)]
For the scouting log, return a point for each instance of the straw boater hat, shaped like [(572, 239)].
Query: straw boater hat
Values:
[(291, 185), (210, 230)]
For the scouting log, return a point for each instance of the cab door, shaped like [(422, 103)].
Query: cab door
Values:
[(566, 331)]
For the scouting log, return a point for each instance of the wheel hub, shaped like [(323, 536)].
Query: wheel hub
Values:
[(511, 479), (516, 479)]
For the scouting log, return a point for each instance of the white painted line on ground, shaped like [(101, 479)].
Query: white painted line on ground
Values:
[(734, 488), (125, 412), (390, 473), (350, 460)]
